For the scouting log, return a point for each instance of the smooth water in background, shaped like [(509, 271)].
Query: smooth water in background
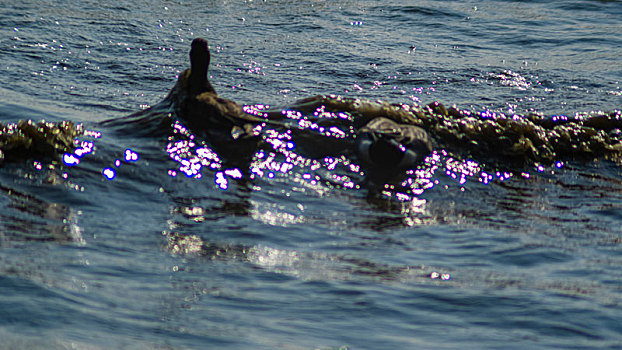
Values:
[(523, 259)]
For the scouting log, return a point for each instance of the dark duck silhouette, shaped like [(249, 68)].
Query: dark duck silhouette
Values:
[(196, 101), (227, 128)]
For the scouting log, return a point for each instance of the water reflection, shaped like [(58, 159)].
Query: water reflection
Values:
[(26, 217), (303, 265), (191, 233)]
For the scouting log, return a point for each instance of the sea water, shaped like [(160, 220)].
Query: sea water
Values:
[(485, 257)]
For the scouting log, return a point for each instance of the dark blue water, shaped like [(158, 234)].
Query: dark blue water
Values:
[(482, 257)]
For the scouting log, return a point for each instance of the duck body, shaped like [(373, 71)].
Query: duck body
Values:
[(195, 99), (208, 111)]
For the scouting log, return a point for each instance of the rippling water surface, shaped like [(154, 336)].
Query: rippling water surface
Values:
[(132, 246)]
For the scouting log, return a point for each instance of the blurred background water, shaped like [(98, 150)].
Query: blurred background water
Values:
[(528, 258)]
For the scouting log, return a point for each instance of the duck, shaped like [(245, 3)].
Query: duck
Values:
[(196, 101), (226, 126)]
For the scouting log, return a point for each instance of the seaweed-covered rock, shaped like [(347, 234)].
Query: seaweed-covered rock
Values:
[(29, 139), (511, 139)]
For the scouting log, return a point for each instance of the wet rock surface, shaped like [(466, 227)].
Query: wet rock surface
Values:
[(507, 140), (29, 139)]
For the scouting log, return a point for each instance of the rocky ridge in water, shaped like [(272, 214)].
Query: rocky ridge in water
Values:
[(508, 140), (504, 140)]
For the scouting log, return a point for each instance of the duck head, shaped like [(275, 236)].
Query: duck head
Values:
[(199, 63)]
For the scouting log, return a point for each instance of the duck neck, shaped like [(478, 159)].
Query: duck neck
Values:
[(198, 82)]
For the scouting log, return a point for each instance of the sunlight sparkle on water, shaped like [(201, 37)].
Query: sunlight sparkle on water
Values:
[(234, 173), (221, 180), (437, 275), (109, 173), (130, 156), (84, 148), (191, 155), (256, 110), (70, 159)]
